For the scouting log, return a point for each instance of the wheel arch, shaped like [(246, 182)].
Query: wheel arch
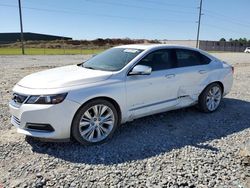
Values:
[(109, 99), (218, 82)]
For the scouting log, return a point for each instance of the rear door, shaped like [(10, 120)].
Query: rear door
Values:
[(192, 69)]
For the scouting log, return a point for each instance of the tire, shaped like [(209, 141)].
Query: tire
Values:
[(210, 98), (95, 122)]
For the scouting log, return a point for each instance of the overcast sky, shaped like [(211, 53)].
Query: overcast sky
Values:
[(151, 19)]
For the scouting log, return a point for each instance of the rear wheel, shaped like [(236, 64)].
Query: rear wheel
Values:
[(210, 98), (95, 122)]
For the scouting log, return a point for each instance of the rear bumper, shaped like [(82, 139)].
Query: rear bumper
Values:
[(227, 83), (59, 117)]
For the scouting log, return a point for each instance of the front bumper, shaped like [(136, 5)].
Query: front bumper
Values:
[(59, 116)]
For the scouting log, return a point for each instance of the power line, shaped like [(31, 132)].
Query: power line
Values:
[(99, 15), (166, 4), (137, 7), (134, 6), (224, 29), (221, 16), (228, 18), (75, 11), (224, 19), (135, 1)]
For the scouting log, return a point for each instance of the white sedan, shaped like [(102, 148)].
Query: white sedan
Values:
[(89, 101), (247, 50)]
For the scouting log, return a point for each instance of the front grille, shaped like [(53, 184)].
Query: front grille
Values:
[(15, 120)]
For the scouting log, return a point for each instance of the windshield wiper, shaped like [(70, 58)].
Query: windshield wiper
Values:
[(88, 67), (80, 64), (94, 68)]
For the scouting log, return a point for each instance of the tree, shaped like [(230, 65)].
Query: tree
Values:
[(240, 40), (223, 40), (245, 40)]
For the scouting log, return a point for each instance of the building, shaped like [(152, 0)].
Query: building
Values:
[(6, 38)]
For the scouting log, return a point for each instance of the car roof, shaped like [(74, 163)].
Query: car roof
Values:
[(162, 46), (153, 46)]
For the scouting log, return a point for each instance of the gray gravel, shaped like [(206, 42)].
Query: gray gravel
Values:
[(182, 148)]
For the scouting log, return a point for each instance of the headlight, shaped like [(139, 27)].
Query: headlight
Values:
[(46, 99)]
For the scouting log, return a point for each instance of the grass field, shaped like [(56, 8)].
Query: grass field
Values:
[(56, 51), (48, 51)]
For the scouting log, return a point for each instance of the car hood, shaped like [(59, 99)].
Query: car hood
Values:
[(63, 77)]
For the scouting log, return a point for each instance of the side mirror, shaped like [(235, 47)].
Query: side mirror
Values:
[(141, 70)]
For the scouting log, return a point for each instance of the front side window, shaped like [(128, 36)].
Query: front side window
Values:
[(159, 60), (187, 58), (113, 59)]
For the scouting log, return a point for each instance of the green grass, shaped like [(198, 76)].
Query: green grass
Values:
[(48, 51)]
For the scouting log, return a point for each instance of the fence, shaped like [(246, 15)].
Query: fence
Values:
[(211, 45), (58, 47), (223, 46), (61, 47)]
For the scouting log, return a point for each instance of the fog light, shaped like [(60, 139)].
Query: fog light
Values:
[(39, 127)]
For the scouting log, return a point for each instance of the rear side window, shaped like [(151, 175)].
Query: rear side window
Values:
[(187, 58)]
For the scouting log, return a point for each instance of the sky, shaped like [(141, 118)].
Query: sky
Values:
[(148, 19)]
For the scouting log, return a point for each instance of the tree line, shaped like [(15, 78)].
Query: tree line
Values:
[(240, 40)]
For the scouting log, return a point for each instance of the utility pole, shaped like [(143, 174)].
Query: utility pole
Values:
[(199, 23), (21, 25)]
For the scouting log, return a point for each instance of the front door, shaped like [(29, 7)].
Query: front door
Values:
[(148, 94)]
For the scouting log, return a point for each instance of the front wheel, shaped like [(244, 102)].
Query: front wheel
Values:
[(95, 122), (210, 98)]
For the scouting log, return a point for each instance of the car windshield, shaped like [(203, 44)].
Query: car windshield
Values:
[(113, 59)]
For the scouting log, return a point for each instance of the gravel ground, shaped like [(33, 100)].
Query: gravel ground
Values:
[(182, 148)]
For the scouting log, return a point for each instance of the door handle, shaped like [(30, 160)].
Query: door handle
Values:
[(202, 71), (168, 76)]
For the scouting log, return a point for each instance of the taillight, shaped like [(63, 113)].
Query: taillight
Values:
[(232, 69)]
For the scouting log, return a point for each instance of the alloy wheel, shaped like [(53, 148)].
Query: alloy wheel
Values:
[(213, 98), (96, 123)]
